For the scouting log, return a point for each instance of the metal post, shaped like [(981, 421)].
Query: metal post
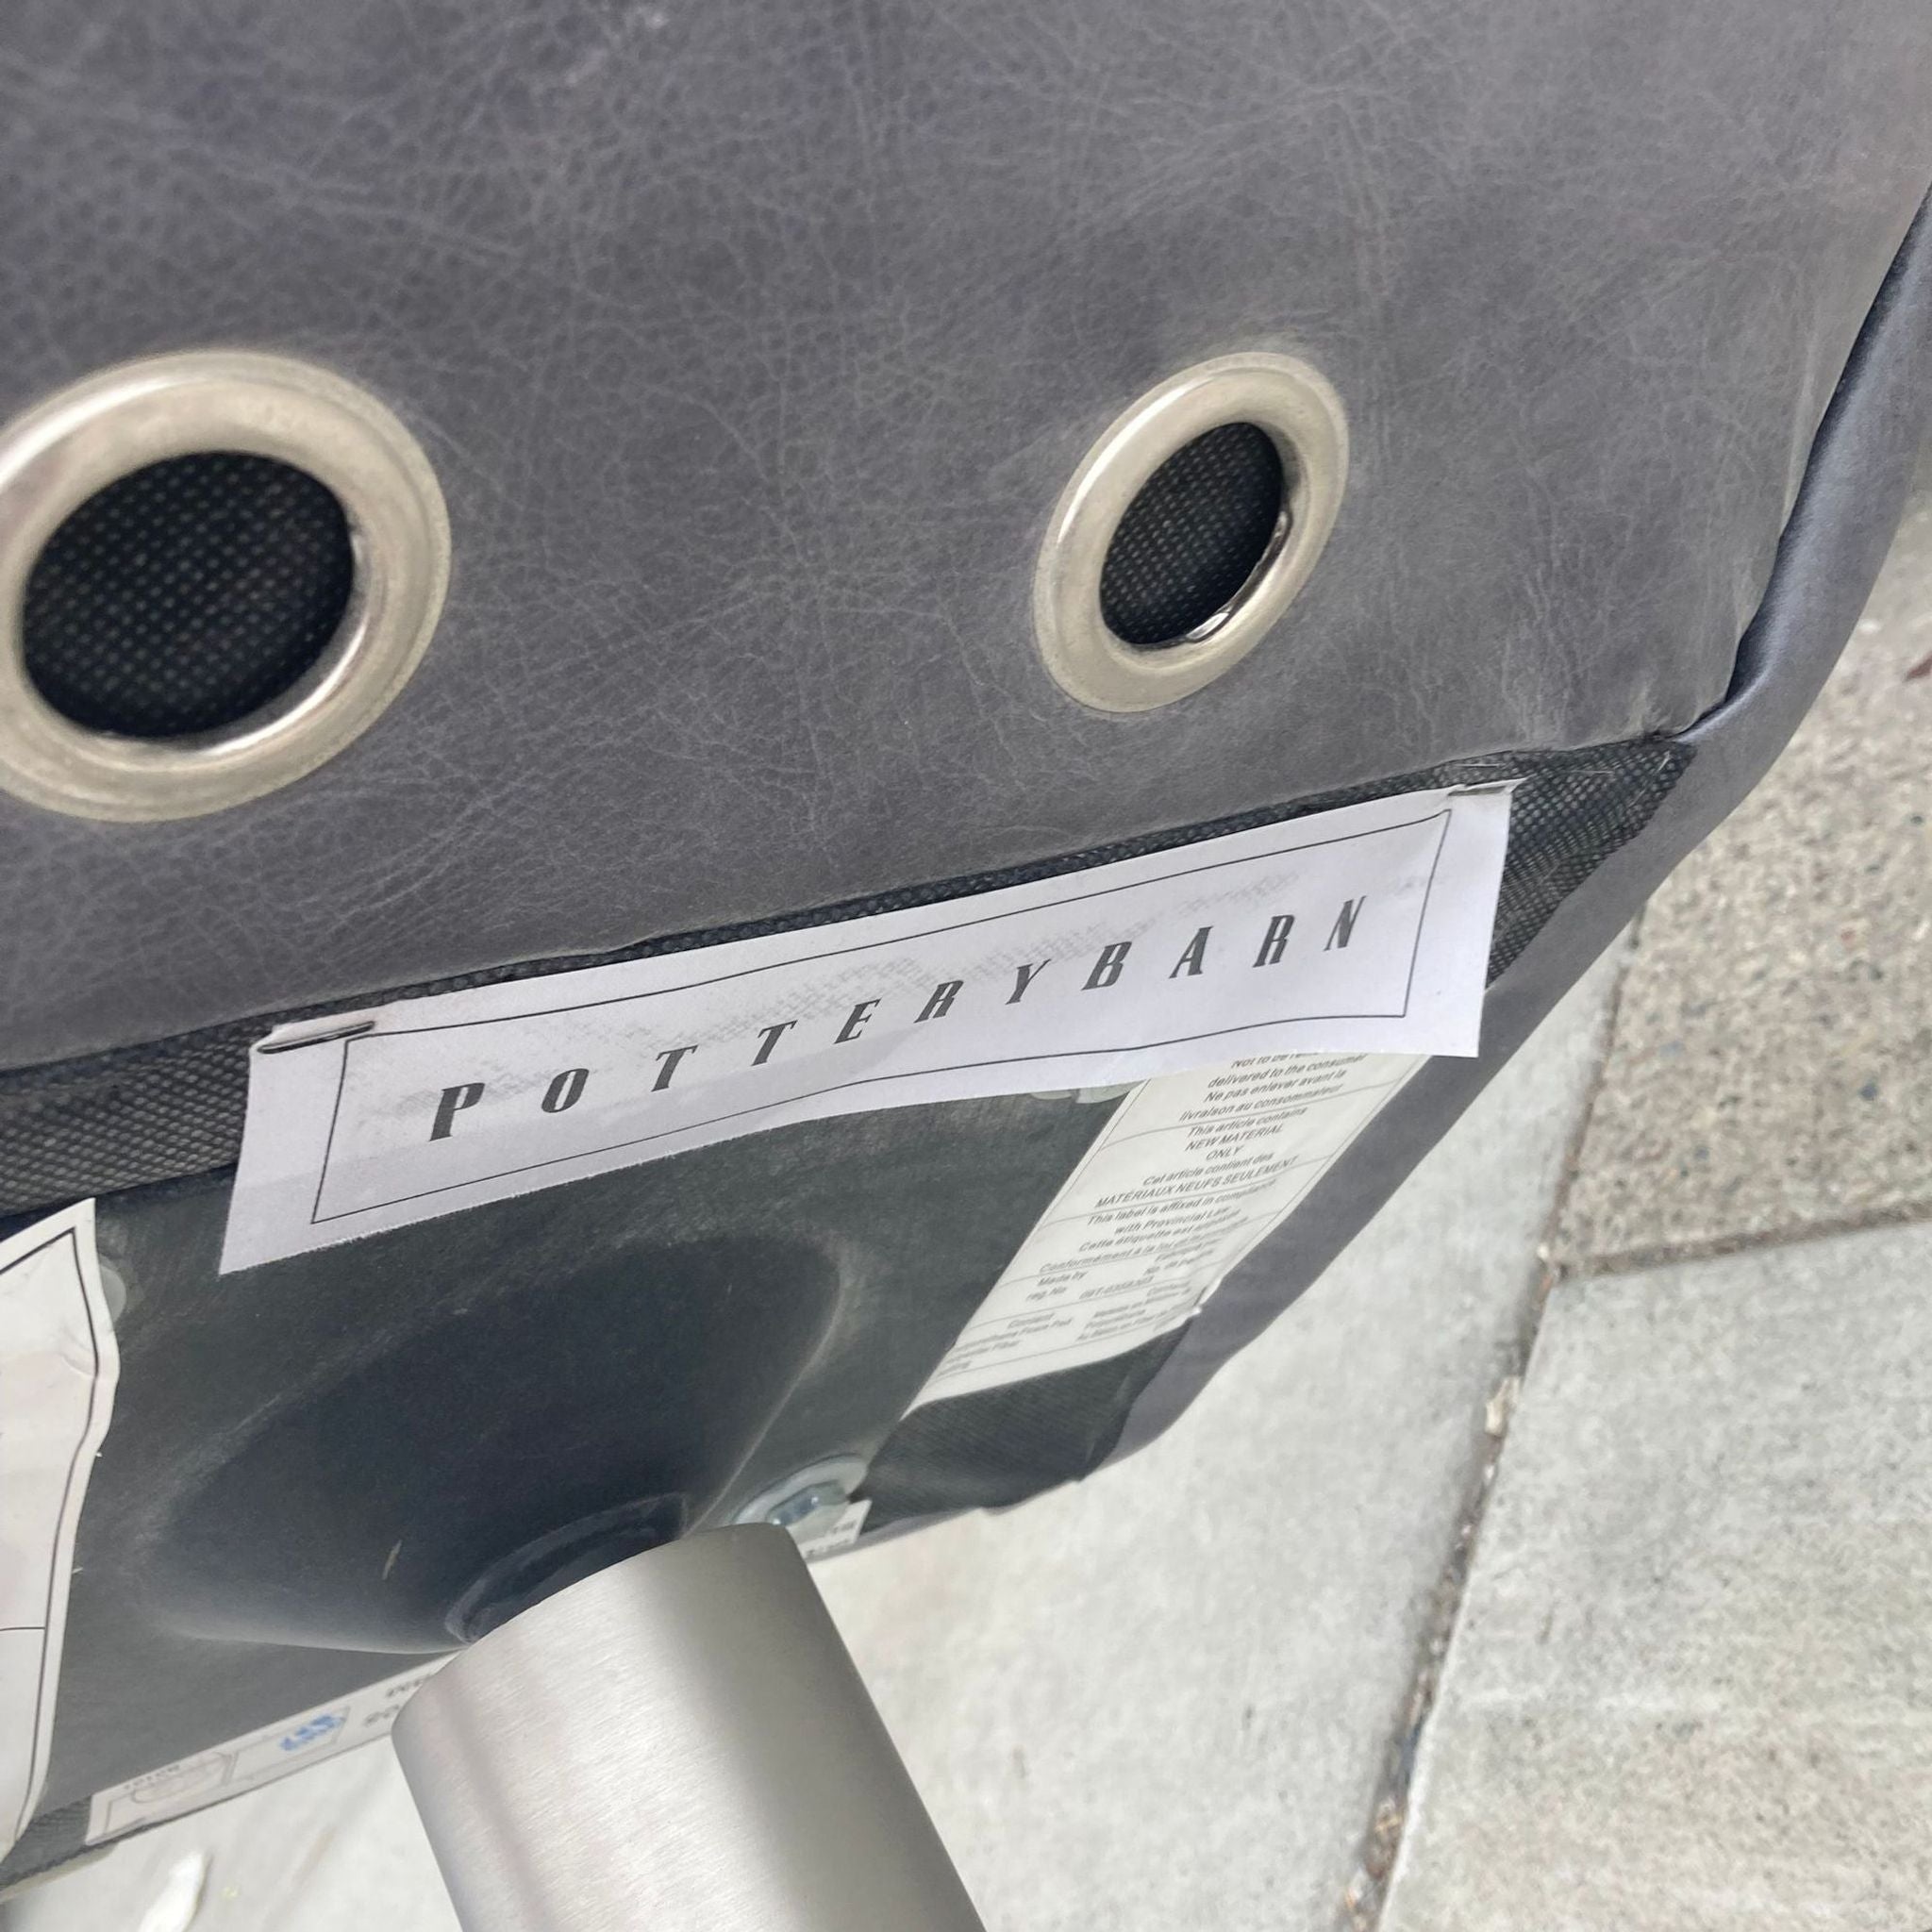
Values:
[(678, 1741)]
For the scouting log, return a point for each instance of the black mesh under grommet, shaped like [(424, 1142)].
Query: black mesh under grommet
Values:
[(187, 594), (1192, 536)]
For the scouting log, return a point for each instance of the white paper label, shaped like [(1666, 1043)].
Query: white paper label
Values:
[(358, 1717), (1363, 929), (1190, 1172), (839, 1534), (58, 1368)]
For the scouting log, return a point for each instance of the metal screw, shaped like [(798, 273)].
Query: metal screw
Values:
[(808, 1503), (801, 1512)]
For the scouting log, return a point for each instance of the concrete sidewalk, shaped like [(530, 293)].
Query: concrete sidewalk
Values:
[(1365, 1641), (1690, 1685)]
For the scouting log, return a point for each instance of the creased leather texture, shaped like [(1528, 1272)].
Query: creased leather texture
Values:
[(1854, 487), (754, 343)]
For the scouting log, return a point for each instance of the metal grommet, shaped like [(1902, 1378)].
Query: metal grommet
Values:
[(1300, 414), (57, 456)]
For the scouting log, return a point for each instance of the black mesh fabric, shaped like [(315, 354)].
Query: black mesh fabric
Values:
[(175, 1108), (187, 594), (1192, 537), (1001, 1445)]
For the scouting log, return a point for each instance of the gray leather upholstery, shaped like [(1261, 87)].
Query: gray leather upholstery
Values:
[(1862, 467), (753, 344)]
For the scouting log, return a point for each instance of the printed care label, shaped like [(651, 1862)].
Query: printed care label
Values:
[(1363, 930), (59, 1369), (1192, 1172), (357, 1717)]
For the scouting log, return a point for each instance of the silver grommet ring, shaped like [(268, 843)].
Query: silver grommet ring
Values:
[(1304, 418), (73, 445)]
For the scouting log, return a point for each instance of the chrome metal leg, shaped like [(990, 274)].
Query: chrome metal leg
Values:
[(682, 1742)]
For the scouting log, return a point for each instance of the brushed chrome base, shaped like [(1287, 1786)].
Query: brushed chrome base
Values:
[(682, 1742)]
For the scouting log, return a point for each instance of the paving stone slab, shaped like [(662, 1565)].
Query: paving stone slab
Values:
[(1771, 1074), (1691, 1688)]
